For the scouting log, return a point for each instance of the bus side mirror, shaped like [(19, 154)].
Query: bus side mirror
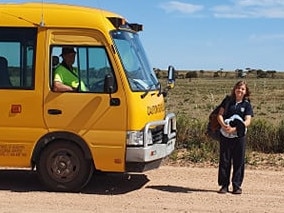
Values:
[(108, 84), (109, 88), (171, 77), (171, 81)]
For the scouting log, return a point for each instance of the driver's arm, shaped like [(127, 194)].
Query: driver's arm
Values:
[(60, 87)]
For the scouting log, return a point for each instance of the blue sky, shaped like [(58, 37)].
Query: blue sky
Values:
[(204, 34)]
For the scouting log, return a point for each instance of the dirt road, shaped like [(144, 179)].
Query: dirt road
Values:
[(167, 189)]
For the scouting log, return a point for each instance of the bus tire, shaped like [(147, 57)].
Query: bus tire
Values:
[(62, 166)]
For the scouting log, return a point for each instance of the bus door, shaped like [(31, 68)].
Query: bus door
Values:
[(87, 110)]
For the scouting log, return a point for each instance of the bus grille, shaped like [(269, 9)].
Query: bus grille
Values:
[(157, 134)]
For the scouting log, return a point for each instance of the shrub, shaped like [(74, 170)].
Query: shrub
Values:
[(191, 74), (191, 136), (262, 137)]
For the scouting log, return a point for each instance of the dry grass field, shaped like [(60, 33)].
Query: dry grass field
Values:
[(196, 97)]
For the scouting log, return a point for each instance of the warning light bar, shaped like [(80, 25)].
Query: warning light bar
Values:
[(120, 23)]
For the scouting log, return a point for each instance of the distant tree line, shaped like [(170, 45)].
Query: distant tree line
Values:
[(238, 73)]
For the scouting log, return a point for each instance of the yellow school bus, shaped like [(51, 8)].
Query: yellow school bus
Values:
[(116, 123)]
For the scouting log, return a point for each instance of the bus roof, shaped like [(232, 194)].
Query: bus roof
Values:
[(54, 15)]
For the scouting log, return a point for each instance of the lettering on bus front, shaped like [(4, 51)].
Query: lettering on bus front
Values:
[(154, 109)]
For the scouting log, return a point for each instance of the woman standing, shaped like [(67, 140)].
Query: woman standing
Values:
[(234, 122)]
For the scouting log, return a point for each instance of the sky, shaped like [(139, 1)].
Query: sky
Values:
[(203, 34)]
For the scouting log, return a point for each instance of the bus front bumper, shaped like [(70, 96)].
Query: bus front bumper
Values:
[(140, 159)]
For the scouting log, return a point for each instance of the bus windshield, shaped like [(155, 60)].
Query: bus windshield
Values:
[(136, 66)]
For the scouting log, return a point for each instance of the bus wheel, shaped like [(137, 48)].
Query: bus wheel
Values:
[(63, 167)]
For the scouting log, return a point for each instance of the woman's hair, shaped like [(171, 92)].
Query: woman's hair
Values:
[(238, 84)]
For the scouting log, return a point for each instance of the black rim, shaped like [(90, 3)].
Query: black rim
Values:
[(63, 165)]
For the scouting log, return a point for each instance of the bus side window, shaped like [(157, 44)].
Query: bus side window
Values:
[(17, 45), (5, 79)]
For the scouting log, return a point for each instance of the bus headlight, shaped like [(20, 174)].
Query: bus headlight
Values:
[(134, 138)]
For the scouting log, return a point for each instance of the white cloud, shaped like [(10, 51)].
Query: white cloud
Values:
[(232, 9), (176, 6), (267, 37), (225, 11), (251, 9), (262, 3)]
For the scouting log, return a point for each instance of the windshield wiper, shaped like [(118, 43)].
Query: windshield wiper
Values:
[(160, 88), (147, 91)]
